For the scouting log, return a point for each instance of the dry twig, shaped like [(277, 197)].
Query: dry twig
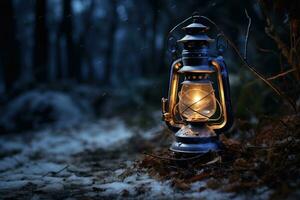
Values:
[(175, 159), (281, 74), (252, 69), (247, 34), (57, 172)]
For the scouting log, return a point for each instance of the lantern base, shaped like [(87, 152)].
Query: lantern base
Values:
[(197, 139)]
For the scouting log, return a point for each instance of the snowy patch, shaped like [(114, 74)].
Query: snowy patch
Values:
[(116, 188), (12, 185), (53, 187), (45, 159), (132, 184), (12, 162), (79, 180), (94, 136), (11, 145), (36, 108), (40, 168), (58, 161)]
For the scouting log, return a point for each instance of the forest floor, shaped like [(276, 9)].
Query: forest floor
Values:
[(91, 160), (112, 158), (102, 159)]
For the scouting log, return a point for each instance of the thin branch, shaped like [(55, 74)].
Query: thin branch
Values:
[(266, 50), (237, 51), (285, 49), (271, 32), (275, 37), (247, 34), (215, 160), (281, 74), (57, 172), (259, 75), (252, 69), (174, 159)]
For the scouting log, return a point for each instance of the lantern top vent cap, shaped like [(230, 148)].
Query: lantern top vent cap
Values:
[(202, 37), (195, 26)]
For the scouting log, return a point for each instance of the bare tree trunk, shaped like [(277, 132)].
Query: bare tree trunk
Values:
[(41, 42), (162, 64), (82, 49), (111, 39), (73, 65), (58, 61), (9, 45), (153, 61), (67, 31)]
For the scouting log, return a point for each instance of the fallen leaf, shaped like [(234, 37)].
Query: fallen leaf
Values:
[(180, 184)]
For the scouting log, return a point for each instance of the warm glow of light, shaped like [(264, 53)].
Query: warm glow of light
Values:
[(197, 101), (196, 97)]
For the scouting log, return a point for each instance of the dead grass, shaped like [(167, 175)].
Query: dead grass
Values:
[(271, 157)]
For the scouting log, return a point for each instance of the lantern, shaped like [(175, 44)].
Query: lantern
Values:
[(199, 108)]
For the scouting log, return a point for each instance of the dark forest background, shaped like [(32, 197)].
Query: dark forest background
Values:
[(116, 53)]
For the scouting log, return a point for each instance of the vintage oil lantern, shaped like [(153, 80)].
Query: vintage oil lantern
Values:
[(199, 108)]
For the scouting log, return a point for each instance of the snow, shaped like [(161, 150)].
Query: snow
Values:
[(36, 108), (92, 137), (131, 184), (41, 159), (63, 145), (33, 168), (11, 162), (10, 145), (56, 161), (116, 188), (52, 187), (12, 184), (76, 180)]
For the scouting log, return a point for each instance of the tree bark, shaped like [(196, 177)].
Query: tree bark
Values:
[(9, 45), (111, 42), (73, 65), (58, 60), (82, 49), (41, 43), (87, 54), (154, 6)]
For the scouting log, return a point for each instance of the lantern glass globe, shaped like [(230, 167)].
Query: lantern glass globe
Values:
[(197, 101)]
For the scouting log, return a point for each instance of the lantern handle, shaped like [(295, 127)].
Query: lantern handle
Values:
[(219, 46), (194, 16), (174, 48)]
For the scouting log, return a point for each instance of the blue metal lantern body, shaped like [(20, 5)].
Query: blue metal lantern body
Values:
[(202, 109)]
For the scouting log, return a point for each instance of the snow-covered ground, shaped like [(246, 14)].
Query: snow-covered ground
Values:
[(83, 162), (56, 149)]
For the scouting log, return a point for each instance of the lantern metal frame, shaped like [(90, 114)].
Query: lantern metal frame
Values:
[(193, 142)]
